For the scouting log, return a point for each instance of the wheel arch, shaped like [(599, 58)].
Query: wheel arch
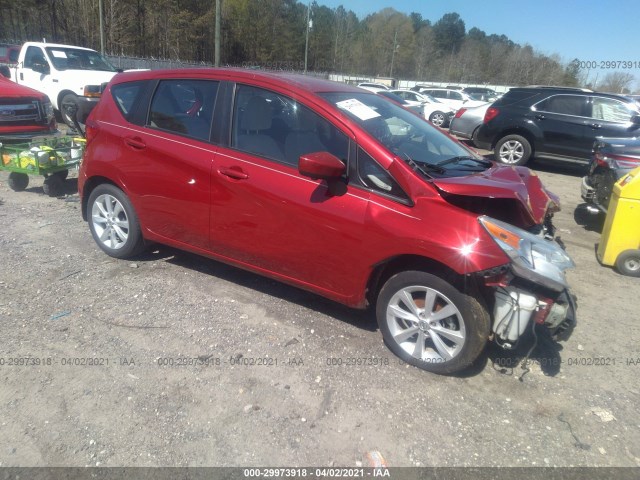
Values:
[(528, 136), (61, 96), (386, 269), (89, 186)]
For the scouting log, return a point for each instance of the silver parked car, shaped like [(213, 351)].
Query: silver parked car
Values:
[(467, 121)]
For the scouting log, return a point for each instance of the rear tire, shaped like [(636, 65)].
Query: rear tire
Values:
[(438, 118), (63, 174), (428, 323), (512, 150), (113, 222), (18, 181), (628, 263)]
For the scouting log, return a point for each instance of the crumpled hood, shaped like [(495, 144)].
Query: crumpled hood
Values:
[(517, 183)]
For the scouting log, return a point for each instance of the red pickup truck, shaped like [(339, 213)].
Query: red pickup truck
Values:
[(24, 112)]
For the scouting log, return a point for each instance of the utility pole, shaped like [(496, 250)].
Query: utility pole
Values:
[(306, 43), (217, 34), (393, 54), (101, 28)]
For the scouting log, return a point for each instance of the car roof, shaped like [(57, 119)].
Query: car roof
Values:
[(569, 90), (57, 45), (302, 82)]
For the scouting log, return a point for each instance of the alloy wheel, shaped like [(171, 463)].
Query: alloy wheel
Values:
[(110, 221), (426, 324), (511, 152)]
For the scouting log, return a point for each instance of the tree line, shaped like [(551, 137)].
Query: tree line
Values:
[(272, 34)]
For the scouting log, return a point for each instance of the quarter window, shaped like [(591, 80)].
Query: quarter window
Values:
[(377, 178), (184, 107), (125, 95), (610, 110), (271, 125)]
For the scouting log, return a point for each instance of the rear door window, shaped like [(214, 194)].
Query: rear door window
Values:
[(575, 105), (184, 107)]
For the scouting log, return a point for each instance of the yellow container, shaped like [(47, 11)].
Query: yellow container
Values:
[(620, 240)]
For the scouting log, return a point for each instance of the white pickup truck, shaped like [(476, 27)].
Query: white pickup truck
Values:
[(67, 74)]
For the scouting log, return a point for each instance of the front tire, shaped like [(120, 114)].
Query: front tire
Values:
[(428, 323), (113, 222), (68, 100), (512, 150)]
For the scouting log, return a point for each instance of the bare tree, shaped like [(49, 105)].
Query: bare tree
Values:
[(617, 82)]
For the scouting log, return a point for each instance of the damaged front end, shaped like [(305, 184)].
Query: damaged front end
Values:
[(531, 289), (512, 194)]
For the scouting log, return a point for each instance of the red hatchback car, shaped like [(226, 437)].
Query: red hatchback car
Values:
[(332, 189)]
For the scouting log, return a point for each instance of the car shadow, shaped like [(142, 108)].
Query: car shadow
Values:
[(592, 222), (505, 362), (540, 351), (364, 319)]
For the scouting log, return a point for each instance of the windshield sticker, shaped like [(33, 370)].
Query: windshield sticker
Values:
[(58, 53), (357, 108)]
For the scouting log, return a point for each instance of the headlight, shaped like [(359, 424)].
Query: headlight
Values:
[(534, 258), (94, 91)]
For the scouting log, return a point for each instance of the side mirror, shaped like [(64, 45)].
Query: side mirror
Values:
[(635, 119), (41, 68), (321, 166)]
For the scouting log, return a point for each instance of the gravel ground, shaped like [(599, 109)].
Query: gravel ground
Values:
[(177, 360)]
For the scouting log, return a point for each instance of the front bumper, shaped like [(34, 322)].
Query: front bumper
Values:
[(586, 190), (26, 137)]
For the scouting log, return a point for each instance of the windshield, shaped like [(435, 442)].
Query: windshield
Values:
[(76, 59), (431, 99), (425, 148)]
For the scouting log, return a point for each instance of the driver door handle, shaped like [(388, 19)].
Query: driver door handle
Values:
[(595, 126), (540, 117), (233, 172), (135, 142)]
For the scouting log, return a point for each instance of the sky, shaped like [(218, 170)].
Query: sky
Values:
[(589, 30)]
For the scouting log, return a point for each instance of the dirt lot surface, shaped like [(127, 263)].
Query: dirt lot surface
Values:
[(176, 360)]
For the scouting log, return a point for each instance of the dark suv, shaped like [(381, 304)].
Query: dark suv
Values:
[(555, 123)]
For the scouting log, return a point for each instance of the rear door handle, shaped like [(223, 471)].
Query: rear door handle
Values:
[(595, 126), (233, 172), (135, 142), (540, 117)]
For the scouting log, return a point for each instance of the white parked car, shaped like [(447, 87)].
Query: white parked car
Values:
[(453, 98), (373, 87), (435, 111)]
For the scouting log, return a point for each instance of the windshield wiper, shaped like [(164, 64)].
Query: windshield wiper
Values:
[(423, 168), (461, 158)]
